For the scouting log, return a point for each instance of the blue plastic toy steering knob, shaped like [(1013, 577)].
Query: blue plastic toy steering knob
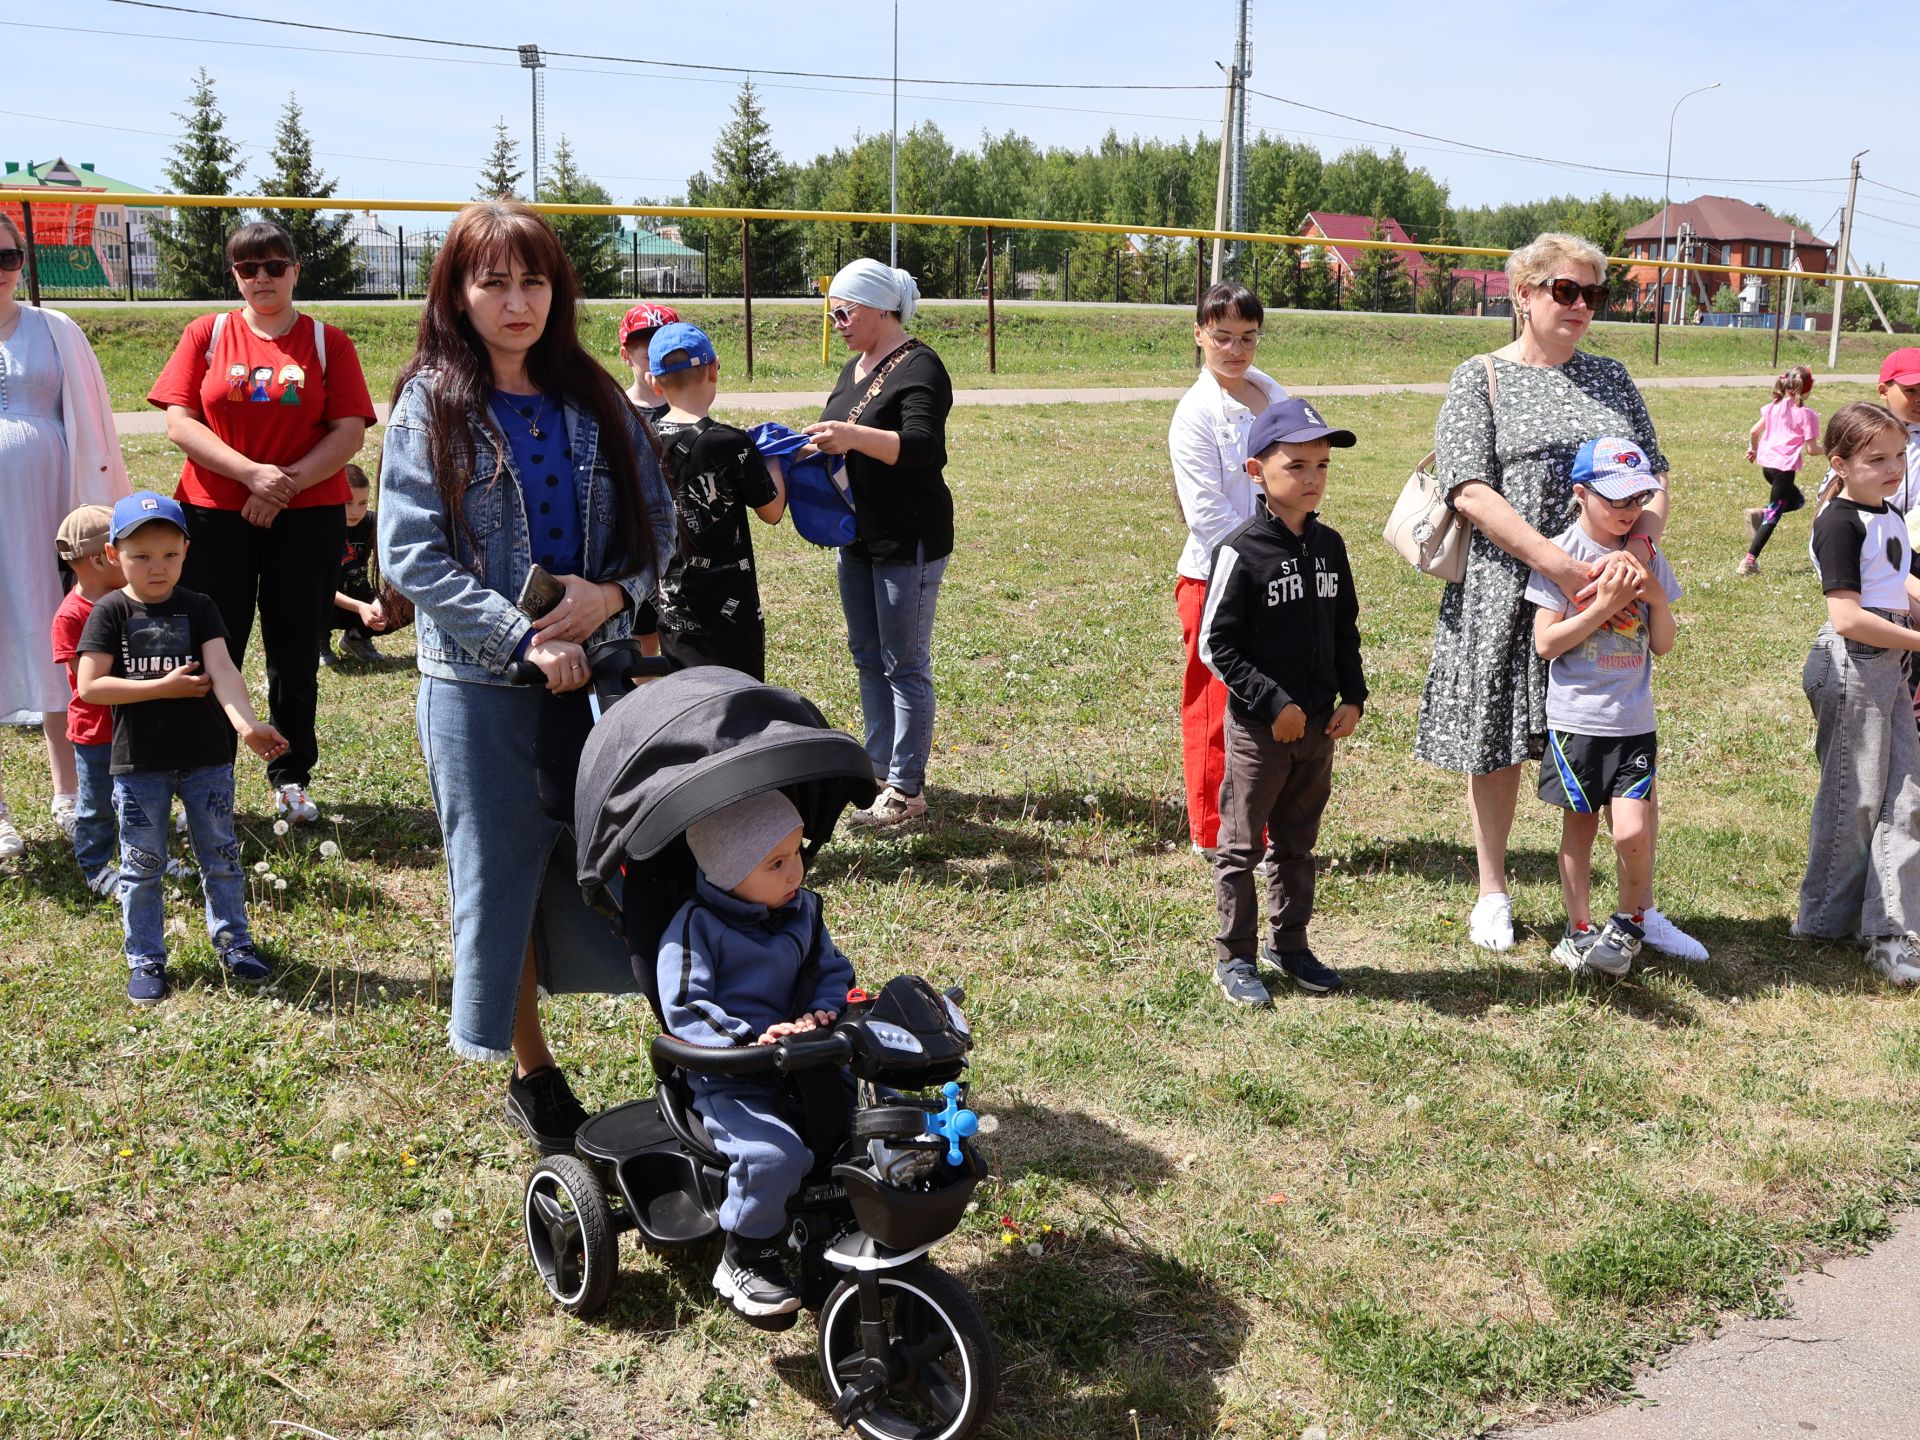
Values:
[(953, 1124)]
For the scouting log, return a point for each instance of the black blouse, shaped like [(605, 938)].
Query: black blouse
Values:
[(905, 509)]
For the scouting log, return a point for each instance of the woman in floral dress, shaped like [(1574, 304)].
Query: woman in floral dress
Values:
[(1504, 452)]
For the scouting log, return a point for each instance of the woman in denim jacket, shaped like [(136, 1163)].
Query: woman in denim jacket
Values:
[(509, 445)]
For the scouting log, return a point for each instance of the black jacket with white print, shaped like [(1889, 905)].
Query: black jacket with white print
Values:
[(1282, 621)]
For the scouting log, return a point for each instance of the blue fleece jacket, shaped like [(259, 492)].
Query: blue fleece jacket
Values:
[(728, 968)]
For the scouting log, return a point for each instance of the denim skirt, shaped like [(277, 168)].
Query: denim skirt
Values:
[(510, 866)]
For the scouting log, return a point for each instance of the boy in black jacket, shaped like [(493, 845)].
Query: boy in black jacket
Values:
[(1281, 631)]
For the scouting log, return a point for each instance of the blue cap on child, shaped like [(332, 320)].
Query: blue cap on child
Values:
[(679, 336), (133, 511), (1615, 468)]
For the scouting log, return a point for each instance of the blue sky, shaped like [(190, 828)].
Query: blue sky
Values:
[(1555, 80)]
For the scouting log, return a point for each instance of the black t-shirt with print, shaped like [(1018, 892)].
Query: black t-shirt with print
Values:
[(354, 559), (717, 476), (149, 640), (1864, 548)]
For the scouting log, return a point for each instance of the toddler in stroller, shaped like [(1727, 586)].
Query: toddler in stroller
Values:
[(709, 769)]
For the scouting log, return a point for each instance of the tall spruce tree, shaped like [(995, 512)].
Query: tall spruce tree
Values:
[(1436, 285), (748, 174), (592, 242), (501, 174), (192, 244), (329, 263), (1379, 279)]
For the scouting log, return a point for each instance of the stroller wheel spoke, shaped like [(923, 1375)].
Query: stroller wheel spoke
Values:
[(936, 1390)]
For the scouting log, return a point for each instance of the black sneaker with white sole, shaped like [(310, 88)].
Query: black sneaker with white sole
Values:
[(541, 1106), (753, 1276)]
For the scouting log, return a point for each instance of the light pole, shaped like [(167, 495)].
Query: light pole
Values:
[(893, 164), (1666, 204), (531, 61)]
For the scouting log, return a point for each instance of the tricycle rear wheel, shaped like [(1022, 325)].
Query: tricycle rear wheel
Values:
[(570, 1234)]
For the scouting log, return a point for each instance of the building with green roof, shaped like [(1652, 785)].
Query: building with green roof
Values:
[(86, 249)]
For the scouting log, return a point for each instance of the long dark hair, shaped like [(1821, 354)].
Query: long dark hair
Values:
[(462, 373)]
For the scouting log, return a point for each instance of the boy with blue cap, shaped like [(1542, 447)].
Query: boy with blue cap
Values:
[(709, 600), (1281, 630), (1600, 735), (157, 654)]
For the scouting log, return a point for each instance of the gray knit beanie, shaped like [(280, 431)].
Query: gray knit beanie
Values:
[(729, 844)]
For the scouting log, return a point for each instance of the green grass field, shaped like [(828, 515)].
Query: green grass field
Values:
[(1110, 345), (1474, 1189)]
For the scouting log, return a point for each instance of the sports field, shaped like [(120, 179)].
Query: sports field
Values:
[(1473, 1189)]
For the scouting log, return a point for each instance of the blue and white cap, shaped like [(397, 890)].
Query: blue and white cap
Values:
[(1614, 468), (133, 511), (674, 339)]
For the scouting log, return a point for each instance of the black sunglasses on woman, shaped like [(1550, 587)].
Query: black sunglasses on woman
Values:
[(12, 258), (1565, 292)]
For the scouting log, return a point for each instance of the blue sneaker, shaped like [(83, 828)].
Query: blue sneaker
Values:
[(1304, 969), (245, 966), (147, 984)]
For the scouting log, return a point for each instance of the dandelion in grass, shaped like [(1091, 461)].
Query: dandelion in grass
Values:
[(279, 884), (442, 1219), (328, 850), (280, 827), (407, 1160), (261, 867), (341, 1152)]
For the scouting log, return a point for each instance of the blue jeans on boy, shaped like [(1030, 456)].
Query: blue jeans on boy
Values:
[(94, 840), (889, 610), (143, 801)]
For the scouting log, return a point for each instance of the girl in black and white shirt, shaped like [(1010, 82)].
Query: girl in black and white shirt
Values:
[(1863, 865)]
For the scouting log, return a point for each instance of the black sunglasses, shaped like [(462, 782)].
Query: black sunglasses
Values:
[(247, 269), (12, 259), (1565, 292)]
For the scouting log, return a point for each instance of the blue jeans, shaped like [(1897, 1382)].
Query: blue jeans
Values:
[(143, 801), (889, 610), (94, 836), (510, 867)]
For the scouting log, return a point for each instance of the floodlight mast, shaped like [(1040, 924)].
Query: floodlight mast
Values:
[(531, 61)]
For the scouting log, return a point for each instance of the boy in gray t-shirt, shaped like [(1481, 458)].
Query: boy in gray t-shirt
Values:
[(1600, 740)]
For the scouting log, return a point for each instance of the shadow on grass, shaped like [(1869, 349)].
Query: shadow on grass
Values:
[(389, 837), (1446, 862)]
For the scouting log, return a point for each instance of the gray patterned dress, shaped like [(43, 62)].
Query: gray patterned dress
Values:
[(1485, 704)]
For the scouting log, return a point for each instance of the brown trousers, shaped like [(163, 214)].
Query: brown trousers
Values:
[(1279, 790)]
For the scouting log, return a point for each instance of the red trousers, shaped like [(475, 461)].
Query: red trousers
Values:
[(1203, 714)]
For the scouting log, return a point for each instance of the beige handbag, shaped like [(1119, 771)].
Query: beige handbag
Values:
[(1424, 528)]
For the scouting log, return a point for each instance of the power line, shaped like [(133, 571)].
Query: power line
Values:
[(633, 60), (1895, 188), (1515, 154)]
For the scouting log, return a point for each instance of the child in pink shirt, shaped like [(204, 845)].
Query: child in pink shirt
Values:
[(1780, 440)]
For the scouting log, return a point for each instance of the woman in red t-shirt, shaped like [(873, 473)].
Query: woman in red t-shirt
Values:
[(269, 406)]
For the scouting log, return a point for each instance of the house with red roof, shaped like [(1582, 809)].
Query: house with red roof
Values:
[(1724, 231), (1342, 257)]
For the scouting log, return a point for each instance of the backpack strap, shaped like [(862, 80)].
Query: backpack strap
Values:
[(319, 339), (320, 345), (213, 340)]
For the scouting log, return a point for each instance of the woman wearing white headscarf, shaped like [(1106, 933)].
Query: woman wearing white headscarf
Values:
[(888, 415)]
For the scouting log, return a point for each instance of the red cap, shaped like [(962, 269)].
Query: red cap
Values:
[(647, 316), (1902, 367)]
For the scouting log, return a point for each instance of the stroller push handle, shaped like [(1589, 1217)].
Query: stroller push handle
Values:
[(612, 664)]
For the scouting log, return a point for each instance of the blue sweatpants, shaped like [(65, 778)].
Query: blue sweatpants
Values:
[(766, 1158)]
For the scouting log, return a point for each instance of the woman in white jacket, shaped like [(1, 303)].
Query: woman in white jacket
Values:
[(58, 451), (1208, 445)]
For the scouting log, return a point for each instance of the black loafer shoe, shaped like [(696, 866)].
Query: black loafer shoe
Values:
[(542, 1107)]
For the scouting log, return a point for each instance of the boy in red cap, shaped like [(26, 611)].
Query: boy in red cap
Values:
[(637, 330)]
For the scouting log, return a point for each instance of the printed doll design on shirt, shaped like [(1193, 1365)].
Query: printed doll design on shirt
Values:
[(292, 377), (237, 384), (262, 374)]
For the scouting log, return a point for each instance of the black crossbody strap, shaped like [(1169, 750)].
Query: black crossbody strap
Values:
[(880, 378)]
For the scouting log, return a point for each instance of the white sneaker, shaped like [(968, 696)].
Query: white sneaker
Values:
[(66, 813), (890, 807), (295, 804), (10, 842), (1896, 958), (1668, 938), (1491, 924)]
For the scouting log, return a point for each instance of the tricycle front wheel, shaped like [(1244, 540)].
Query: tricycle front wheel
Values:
[(943, 1374)]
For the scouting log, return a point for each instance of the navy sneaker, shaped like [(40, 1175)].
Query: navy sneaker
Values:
[(147, 984), (246, 966), (1239, 981), (753, 1275), (542, 1107), (1303, 967)]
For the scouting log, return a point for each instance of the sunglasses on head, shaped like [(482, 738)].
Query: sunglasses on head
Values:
[(247, 269), (12, 259), (1565, 292)]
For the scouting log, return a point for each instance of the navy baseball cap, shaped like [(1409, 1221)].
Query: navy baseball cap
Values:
[(678, 336), (1292, 422), (1614, 468), (141, 507)]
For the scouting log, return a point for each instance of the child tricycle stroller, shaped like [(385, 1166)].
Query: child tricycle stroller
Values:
[(903, 1348)]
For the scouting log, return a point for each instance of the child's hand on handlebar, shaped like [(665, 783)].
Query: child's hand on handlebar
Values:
[(564, 665), (818, 1020)]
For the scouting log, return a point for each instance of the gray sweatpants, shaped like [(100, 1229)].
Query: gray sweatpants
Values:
[(1278, 789), (1863, 860)]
